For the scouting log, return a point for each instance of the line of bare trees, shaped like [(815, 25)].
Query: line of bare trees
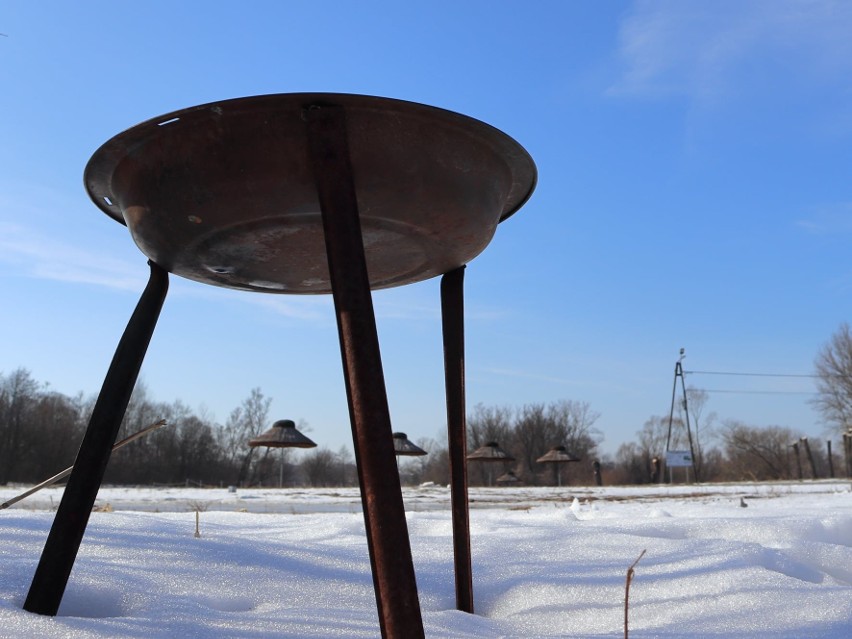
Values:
[(525, 434), (742, 452), (40, 431)]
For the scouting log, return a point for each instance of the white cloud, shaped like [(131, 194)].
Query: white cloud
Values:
[(831, 219), (44, 257), (706, 51), (48, 246), (312, 308)]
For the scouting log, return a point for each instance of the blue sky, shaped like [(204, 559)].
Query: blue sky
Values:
[(694, 192)]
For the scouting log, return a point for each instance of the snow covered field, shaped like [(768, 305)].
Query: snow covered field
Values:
[(547, 562)]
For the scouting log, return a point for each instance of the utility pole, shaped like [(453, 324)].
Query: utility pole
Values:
[(679, 373)]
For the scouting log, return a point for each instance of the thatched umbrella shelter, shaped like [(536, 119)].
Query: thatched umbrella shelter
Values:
[(402, 446), (492, 453), (282, 434), (557, 455), (508, 479)]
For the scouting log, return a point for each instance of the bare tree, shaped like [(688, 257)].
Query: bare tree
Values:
[(576, 421), (672, 430), (535, 429), (18, 399), (632, 465), (574, 425), (322, 467), (535, 432), (488, 424), (197, 454), (654, 434), (53, 429), (634, 461), (435, 466), (41, 429), (834, 379), (702, 424), (758, 453), (244, 422)]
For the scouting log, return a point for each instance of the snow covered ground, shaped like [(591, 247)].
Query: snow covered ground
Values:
[(547, 562)]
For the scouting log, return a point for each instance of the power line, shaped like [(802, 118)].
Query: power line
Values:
[(753, 374), (755, 392)]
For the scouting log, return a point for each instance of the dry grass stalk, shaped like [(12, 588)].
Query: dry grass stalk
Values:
[(630, 572)]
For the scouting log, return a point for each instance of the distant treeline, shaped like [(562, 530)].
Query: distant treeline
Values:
[(40, 432)]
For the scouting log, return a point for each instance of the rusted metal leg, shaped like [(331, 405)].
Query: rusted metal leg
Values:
[(69, 525), (381, 495), (452, 315)]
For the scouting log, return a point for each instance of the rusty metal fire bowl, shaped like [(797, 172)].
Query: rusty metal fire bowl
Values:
[(224, 194)]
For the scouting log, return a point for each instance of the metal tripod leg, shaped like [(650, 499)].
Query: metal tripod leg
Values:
[(69, 525), (452, 315), (381, 495)]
